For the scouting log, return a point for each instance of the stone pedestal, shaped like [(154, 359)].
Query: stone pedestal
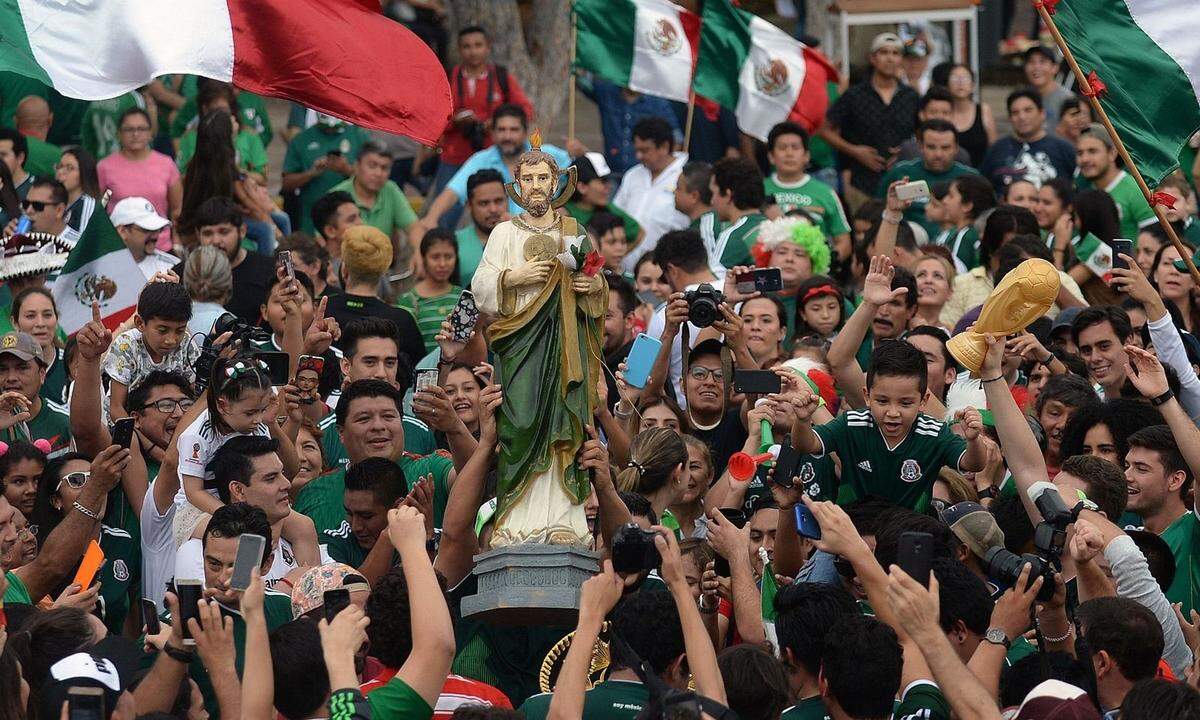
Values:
[(530, 584)]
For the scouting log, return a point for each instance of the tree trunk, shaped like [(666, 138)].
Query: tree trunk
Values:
[(533, 39)]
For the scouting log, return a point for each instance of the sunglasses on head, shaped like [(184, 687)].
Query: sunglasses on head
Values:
[(76, 479)]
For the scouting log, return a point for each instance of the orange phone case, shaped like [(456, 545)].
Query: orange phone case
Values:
[(93, 558)]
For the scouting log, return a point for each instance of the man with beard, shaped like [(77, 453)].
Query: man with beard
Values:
[(219, 223), (546, 340), (1030, 153), (1097, 159), (487, 205), (510, 133)]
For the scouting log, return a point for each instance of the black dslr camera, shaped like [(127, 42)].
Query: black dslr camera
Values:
[(239, 331), (1049, 538), (703, 305), (633, 550)]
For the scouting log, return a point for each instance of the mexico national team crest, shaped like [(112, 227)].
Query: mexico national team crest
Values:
[(771, 78), (120, 570), (663, 38), (91, 288), (910, 471)]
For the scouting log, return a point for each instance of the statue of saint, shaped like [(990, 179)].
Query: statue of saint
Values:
[(538, 279)]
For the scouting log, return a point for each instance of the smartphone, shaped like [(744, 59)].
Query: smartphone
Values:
[(122, 433), (914, 191), (23, 225), (426, 379), (150, 617), (785, 466), (277, 366), (756, 382), (93, 558), (285, 259), (189, 593), (738, 518), (915, 555), (650, 298), (463, 317), (336, 601), (1120, 247), (641, 359), (248, 561), (807, 525), (760, 280), (85, 703)]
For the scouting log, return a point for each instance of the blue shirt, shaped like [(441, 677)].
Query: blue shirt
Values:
[(618, 116), (491, 159)]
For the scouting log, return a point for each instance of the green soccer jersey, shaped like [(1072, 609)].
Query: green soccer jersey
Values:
[(429, 311), (609, 700), (1183, 537), (52, 423), (735, 241), (915, 170), (904, 474), (470, 252), (963, 245), (16, 593), (1131, 204), (709, 226), (321, 499), (251, 155), (818, 475), (811, 195), (312, 144), (122, 570), (418, 439), (812, 708), (342, 547), (583, 216), (397, 700), (100, 131), (922, 700), (390, 211)]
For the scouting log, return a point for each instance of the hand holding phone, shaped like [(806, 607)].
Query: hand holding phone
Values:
[(93, 558), (426, 379), (248, 561), (913, 191), (150, 617), (640, 360), (1121, 247), (806, 523), (122, 434), (189, 593), (914, 555), (284, 260), (335, 601)]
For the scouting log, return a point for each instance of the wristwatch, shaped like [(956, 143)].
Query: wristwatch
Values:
[(991, 491), (996, 636)]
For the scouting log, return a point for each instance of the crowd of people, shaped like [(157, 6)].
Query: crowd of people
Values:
[(878, 534)]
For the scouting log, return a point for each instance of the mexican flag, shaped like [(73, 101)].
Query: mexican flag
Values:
[(340, 57), (762, 73), (99, 268), (767, 593), (648, 46), (1145, 53)]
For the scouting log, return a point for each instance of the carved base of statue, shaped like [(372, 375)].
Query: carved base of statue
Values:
[(530, 584)]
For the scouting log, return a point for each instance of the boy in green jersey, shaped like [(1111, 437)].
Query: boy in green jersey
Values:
[(891, 448), (794, 188)]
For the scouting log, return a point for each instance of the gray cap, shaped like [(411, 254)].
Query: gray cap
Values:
[(21, 345)]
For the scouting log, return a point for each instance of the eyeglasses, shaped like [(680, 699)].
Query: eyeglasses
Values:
[(75, 480), (700, 373), (166, 406), (139, 129), (37, 205)]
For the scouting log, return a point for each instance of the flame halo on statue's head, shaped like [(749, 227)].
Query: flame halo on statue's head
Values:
[(533, 157)]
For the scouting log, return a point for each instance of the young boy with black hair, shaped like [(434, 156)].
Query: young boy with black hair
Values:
[(891, 448), (793, 187), (158, 340)]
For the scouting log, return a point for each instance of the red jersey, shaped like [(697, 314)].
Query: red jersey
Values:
[(457, 692)]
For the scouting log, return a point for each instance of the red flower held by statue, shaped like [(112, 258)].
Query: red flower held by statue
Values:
[(592, 263)]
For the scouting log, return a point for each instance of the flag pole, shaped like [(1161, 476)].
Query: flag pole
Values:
[(571, 82), (687, 130), (1098, 111)]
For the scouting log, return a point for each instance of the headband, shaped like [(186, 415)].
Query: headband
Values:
[(41, 444), (819, 291)]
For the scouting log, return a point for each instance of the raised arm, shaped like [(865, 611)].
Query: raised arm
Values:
[(1147, 375), (1021, 450), (258, 680), (893, 215), (597, 597), (87, 426), (702, 658), (877, 291)]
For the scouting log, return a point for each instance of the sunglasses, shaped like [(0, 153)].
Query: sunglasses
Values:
[(37, 205), (75, 480)]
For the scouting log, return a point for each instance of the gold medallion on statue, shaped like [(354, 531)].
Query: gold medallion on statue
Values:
[(540, 247)]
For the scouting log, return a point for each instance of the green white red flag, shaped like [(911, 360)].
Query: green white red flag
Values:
[(1143, 58), (99, 267), (760, 72), (648, 46)]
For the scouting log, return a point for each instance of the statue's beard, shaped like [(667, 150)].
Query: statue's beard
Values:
[(537, 204)]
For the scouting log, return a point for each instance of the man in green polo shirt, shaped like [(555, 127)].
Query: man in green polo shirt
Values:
[(1097, 161), (373, 487), (317, 159), (33, 119), (737, 196), (381, 202), (369, 424), (487, 206), (938, 143), (23, 370)]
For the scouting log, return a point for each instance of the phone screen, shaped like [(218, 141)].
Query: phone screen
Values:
[(249, 559), (122, 433), (189, 592), (426, 379), (335, 602), (150, 617)]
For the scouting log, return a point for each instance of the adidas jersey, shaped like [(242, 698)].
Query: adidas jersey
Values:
[(903, 475)]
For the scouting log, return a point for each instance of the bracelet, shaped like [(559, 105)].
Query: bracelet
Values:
[(893, 219), (988, 380), (183, 656), (621, 415), (1066, 635), (1047, 362), (79, 506), (705, 608), (1162, 399)]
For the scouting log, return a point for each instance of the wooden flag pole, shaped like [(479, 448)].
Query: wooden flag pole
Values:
[(687, 130), (1099, 112), (571, 82)]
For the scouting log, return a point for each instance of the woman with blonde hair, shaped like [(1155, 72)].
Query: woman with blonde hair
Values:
[(209, 280), (657, 470), (696, 481)]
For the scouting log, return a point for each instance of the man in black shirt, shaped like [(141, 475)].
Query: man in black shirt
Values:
[(219, 223), (871, 120), (366, 256)]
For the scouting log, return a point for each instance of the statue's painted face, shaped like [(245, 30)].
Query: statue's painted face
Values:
[(537, 186)]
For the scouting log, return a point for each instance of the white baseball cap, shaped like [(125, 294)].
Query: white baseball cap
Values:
[(138, 211)]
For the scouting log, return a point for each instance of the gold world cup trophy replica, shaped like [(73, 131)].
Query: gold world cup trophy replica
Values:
[(539, 278), (1024, 295)]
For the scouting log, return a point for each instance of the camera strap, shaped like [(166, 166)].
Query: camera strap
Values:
[(661, 694)]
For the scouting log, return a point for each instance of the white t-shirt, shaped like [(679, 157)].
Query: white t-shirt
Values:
[(189, 562), (197, 444), (158, 548)]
